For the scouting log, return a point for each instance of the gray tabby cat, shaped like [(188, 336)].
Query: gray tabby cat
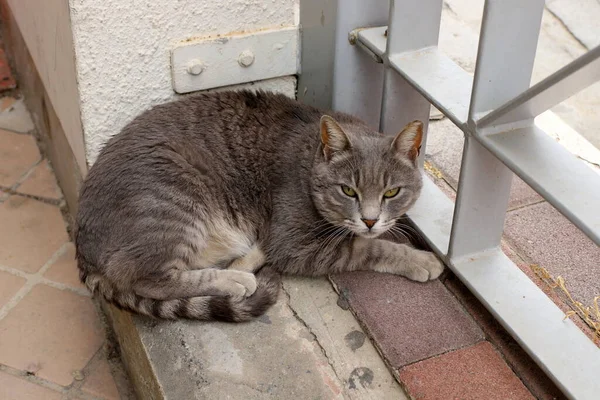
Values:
[(195, 208)]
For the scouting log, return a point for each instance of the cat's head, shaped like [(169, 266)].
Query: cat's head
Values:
[(363, 180)]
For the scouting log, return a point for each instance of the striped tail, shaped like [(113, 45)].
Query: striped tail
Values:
[(206, 308)]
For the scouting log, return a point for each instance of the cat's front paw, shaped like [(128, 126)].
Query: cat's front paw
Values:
[(239, 283), (426, 267)]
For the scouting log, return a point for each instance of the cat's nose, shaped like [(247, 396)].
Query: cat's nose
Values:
[(369, 222)]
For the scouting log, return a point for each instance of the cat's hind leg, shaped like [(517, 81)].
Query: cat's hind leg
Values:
[(177, 284)]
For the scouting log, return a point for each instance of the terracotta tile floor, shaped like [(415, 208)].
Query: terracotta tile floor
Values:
[(52, 340)]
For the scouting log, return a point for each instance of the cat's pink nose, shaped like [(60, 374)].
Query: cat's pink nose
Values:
[(369, 222)]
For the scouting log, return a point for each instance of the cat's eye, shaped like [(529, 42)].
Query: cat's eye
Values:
[(391, 193), (348, 191)]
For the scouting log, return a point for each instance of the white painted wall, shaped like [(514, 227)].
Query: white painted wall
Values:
[(123, 51), (47, 32)]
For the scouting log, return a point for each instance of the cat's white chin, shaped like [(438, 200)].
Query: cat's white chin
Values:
[(369, 234)]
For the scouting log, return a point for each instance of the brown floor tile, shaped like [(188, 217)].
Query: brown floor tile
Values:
[(16, 388), (409, 321), (528, 371), (64, 269), (52, 333), (543, 236), (31, 233), (9, 286), (101, 383), (41, 182), (18, 153), (477, 372)]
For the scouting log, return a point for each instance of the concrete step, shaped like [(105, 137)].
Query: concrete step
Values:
[(305, 347)]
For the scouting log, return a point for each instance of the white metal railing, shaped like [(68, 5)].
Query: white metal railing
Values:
[(384, 66)]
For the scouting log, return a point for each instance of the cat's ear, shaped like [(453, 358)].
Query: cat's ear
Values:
[(408, 142), (333, 137)]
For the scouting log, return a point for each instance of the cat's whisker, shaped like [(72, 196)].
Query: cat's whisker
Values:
[(340, 236), (327, 231), (403, 233), (398, 233), (343, 236), (408, 227), (333, 238)]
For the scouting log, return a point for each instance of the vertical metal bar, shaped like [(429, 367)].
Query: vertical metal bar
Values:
[(481, 203), (507, 45), (413, 24), (357, 80), (317, 26)]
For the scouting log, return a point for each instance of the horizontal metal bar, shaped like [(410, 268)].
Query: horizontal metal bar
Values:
[(439, 79), (549, 92), (556, 344), (375, 39), (556, 174)]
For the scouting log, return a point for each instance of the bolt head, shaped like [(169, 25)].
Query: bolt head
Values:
[(246, 58), (195, 67)]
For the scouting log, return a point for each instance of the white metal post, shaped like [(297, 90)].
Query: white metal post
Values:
[(413, 25), (495, 110), (317, 32), (507, 44), (357, 80)]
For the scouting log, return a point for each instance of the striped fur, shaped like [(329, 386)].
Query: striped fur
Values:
[(192, 198), (218, 308)]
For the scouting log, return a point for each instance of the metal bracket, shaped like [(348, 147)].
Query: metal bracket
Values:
[(224, 60)]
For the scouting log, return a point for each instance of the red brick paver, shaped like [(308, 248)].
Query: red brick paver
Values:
[(534, 378), (474, 373), (545, 237), (410, 321)]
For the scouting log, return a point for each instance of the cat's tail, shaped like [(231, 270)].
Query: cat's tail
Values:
[(207, 308)]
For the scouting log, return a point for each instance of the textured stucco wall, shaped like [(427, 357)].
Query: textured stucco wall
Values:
[(46, 30), (123, 51)]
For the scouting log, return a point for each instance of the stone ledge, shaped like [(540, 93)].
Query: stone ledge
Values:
[(304, 347)]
